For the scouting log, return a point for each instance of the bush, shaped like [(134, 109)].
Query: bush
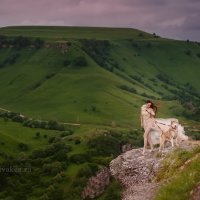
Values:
[(37, 135), (126, 88), (79, 158), (105, 145), (38, 43), (52, 74), (66, 62), (23, 146), (140, 34), (66, 133), (52, 168), (80, 61), (88, 170), (188, 52)]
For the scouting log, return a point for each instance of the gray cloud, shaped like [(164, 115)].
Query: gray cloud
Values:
[(169, 18)]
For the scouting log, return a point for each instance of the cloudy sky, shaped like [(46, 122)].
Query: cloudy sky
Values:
[(168, 18)]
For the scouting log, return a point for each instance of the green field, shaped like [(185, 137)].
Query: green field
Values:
[(98, 78)]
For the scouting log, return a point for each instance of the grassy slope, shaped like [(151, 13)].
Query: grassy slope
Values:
[(11, 134), (180, 182), (71, 94)]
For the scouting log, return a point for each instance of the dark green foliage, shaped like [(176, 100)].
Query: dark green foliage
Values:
[(93, 108), (98, 50), (149, 45), (188, 52), (88, 170), (77, 141), (10, 60), (53, 149), (66, 62), (20, 42), (66, 133), (164, 78), (140, 34), (17, 117), (54, 125), (38, 43), (80, 61), (52, 168), (105, 145), (52, 74), (79, 158), (147, 96), (30, 173), (137, 78), (129, 89), (113, 192), (37, 135), (23, 147)]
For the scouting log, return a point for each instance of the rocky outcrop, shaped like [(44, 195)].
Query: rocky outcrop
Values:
[(96, 184), (60, 45), (136, 172)]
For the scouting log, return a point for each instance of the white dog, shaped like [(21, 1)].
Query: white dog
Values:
[(171, 129)]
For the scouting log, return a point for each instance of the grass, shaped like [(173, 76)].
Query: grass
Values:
[(91, 95), (11, 134), (181, 183), (65, 33)]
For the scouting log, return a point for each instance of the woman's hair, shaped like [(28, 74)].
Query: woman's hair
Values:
[(155, 108)]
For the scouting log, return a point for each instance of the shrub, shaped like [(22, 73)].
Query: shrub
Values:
[(66, 62), (80, 61), (38, 43), (188, 52), (79, 158), (37, 134), (52, 74), (23, 146), (88, 170), (125, 87), (66, 133), (140, 34), (77, 141), (105, 145)]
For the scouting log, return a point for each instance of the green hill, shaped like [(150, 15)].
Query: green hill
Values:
[(39, 84), (96, 77)]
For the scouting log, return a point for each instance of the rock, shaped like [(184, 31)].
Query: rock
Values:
[(96, 184), (136, 172)]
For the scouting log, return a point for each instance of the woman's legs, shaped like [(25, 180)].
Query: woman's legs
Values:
[(146, 136)]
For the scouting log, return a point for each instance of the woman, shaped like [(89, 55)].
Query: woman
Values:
[(147, 117)]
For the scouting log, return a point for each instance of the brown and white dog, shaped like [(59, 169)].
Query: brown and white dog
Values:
[(171, 130), (170, 135)]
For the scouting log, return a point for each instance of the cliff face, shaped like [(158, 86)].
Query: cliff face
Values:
[(136, 172), (96, 184)]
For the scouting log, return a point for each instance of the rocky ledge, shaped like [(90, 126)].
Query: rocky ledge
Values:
[(136, 172)]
